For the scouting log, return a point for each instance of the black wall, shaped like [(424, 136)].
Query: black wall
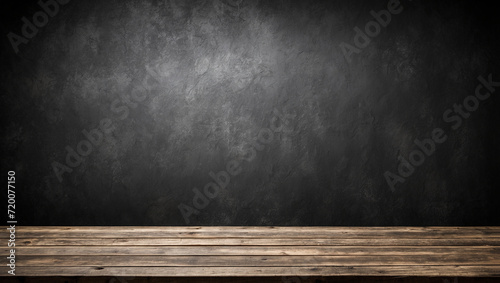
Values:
[(175, 90)]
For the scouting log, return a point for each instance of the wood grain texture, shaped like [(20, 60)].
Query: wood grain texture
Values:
[(256, 251)]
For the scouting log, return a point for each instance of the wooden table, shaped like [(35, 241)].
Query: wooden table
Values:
[(254, 251)]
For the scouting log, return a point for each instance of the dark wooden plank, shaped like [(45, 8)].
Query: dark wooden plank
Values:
[(283, 232), (258, 228), (463, 271), (249, 279)]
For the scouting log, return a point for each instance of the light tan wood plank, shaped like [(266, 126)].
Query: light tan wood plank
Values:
[(256, 241), (466, 259), (254, 250)]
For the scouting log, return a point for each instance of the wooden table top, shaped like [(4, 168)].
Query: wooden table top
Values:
[(253, 251)]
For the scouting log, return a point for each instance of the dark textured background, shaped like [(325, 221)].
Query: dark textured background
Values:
[(225, 65)]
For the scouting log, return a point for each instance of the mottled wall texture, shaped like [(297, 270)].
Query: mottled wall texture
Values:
[(231, 112)]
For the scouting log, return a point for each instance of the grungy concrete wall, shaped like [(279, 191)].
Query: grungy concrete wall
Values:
[(230, 112)]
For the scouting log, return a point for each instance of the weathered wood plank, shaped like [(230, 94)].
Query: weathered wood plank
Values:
[(275, 261), (422, 229), (283, 232), (463, 271), (255, 250), (89, 241), (249, 279)]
